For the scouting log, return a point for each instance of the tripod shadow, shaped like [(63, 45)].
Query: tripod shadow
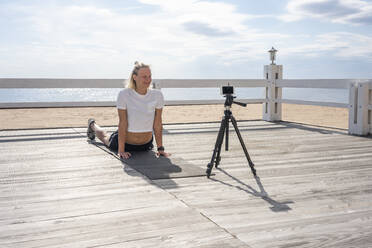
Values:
[(313, 128), (275, 205)]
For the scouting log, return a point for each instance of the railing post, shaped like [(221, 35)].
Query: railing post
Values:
[(156, 84), (272, 108), (353, 108), (359, 112)]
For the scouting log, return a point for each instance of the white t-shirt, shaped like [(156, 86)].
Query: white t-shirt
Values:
[(140, 108)]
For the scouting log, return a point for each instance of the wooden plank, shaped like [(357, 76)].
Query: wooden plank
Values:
[(351, 230)]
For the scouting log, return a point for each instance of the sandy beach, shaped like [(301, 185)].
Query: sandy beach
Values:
[(107, 116)]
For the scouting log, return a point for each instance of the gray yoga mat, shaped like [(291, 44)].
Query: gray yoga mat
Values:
[(155, 167)]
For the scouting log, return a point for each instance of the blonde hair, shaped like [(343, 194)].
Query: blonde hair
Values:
[(137, 66)]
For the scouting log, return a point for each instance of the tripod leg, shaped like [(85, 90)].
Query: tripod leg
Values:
[(218, 157), (243, 145), (217, 148), (227, 134)]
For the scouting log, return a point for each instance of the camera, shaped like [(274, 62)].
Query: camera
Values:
[(227, 90)]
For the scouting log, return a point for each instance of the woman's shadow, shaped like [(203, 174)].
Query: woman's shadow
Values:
[(275, 205), (146, 164), (153, 166)]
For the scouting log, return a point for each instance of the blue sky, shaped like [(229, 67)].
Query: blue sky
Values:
[(185, 38)]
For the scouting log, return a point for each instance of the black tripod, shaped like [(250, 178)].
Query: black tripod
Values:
[(224, 129)]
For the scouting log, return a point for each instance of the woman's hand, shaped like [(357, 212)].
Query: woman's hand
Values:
[(124, 155), (163, 153)]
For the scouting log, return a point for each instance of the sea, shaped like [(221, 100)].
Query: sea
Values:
[(110, 94)]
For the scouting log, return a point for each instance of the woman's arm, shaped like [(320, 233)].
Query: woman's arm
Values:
[(122, 130), (158, 130)]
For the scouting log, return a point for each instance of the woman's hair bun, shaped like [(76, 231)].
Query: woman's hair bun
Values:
[(136, 63)]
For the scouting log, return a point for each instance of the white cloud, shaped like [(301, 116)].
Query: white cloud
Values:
[(356, 12), (337, 44), (177, 31), (218, 15), (91, 41)]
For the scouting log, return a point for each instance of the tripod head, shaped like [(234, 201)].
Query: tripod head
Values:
[(230, 100)]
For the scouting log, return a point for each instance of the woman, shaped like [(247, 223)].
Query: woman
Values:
[(140, 109)]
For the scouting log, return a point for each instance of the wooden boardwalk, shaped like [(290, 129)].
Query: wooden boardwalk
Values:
[(314, 190)]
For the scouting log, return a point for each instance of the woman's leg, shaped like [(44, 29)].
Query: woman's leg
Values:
[(101, 134)]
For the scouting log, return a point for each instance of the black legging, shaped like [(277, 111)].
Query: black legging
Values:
[(114, 144)]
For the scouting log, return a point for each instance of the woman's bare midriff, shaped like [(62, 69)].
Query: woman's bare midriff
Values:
[(138, 138)]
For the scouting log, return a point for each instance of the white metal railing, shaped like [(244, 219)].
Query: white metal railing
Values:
[(209, 83), (360, 93), (15, 83), (315, 83), (42, 83)]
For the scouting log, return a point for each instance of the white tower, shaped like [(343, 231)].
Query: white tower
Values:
[(272, 108)]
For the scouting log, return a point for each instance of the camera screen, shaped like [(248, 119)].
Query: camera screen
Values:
[(227, 90)]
